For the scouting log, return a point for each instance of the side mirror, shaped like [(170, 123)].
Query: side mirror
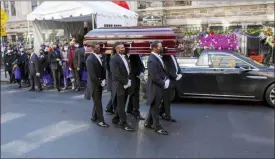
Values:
[(243, 68)]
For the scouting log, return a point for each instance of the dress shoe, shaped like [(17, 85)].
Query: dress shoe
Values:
[(65, 88), (127, 127), (161, 131), (39, 90), (138, 116), (102, 124), (20, 86), (115, 121), (32, 89), (129, 113), (110, 111), (77, 90), (58, 89), (149, 126), (93, 119), (171, 120)]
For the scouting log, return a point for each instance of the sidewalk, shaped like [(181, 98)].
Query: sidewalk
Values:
[(3, 79)]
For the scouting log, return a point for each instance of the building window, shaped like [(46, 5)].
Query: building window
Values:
[(117, 25), (6, 7), (13, 38), (108, 25), (13, 9), (34, 4), (183, 3)]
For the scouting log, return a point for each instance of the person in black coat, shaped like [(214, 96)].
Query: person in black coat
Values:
[(120, 69), (174, 74), (95, 83), (157, 82), (34, 71), (22, 62), (8, 60), (111, 106), (137, 72), (55, 60)]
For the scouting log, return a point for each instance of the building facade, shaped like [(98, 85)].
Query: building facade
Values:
[(186, 16), (17, 26)]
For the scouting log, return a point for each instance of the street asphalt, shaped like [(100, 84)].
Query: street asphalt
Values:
[(50, 124)]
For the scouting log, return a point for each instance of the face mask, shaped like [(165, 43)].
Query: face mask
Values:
[(97, 51), (161, 51), (65, 48), (122, 52), (21, 49), (9, 51), (76, 45)]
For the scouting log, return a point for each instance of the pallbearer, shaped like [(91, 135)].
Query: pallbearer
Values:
[(120, 69), (157, 83), (137, 72), (95, 83), (174, 74), (111, 106)]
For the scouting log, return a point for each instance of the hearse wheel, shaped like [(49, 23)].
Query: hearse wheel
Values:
[(270, 95)]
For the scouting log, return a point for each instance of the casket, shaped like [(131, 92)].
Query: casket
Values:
[(137, 40)]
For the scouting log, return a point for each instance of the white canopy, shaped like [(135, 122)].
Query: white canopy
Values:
[(70, 16), (78, 10)]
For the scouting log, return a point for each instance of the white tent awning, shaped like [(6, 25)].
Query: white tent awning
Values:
[(78, 10)]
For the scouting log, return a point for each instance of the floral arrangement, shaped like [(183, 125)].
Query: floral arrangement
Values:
[(220, 41)]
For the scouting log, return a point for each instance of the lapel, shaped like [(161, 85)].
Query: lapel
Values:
[(95, 58), (160, 63), (122, 62)]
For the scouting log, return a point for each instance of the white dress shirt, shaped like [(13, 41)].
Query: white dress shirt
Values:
[(125, 63), (158, 56), (97, 56), (175, 62)]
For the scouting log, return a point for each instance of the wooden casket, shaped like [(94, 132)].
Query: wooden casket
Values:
[(137, 40)]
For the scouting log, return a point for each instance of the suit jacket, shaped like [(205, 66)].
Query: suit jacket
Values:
[(156, 79), (120, 75), (170, 66), (107, 58), (78, 58), (34, 64), (137, 67), (53, 55), (96, 73)]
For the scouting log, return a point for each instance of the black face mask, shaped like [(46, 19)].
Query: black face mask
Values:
[(161, 51)]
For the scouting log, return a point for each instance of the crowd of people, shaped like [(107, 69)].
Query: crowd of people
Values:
[(57, 63)]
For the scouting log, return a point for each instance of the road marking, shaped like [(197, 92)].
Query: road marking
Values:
[(10, 116), (47, 101), (254, 139), (42, 136)]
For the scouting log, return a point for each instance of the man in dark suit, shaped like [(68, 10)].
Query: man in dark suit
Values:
[(120, 69), (22, 62), (137, 72), (34, 71), (95, 83), (78, 64), (55, 60), (157, 82), (111, 106), (174, 74)]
